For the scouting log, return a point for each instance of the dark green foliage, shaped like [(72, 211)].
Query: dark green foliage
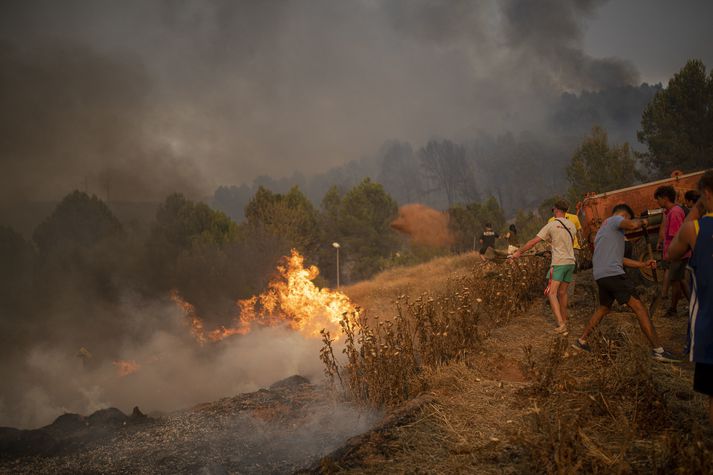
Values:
[(291, 217), (79, 221), (467, 222), (182, 226), (182, 222), (677, 125), (598, 167), (80, 245), (365, 215), (329, 232)]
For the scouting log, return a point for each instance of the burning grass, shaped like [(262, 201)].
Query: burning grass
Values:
[(292, 299)]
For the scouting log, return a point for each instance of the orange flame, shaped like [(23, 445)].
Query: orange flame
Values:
[(125, 368), (291, 299)]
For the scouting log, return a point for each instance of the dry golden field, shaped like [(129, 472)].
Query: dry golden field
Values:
[(518, 399)]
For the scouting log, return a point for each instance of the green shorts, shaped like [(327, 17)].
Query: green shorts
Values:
[(562, 273)]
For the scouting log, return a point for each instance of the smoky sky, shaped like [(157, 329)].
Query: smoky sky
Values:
[(145, 97)]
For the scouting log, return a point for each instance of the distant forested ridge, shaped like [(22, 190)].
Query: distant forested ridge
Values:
[(519, 169)]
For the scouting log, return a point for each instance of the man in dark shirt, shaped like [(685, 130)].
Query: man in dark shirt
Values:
[(487, 239)]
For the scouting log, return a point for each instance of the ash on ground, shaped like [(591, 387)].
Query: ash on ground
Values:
[(275, 430)]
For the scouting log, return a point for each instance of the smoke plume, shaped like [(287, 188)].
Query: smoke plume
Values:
[(137, 98), (132, 100), (80, 372)]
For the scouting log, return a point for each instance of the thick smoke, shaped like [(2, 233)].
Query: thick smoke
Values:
[(75, 371), (548, 37), (132, 100), (74, 118), (145, 94)]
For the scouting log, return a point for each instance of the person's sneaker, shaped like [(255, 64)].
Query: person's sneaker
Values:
[(562, 330), (665, 356), (577, 345)]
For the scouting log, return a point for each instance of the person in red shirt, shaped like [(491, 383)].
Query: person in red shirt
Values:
[(674, 215)]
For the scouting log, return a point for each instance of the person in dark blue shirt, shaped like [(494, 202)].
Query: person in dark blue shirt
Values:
[(697, 236)]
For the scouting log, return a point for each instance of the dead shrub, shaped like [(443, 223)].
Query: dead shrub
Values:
[(385, 357), (604, 412)]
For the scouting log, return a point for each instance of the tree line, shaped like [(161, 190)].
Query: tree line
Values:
[(81, 257), (586, 134)]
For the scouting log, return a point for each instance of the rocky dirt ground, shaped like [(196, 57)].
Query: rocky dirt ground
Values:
[(275, 430)]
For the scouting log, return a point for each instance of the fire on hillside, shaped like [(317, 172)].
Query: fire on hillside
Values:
[(292, 299)]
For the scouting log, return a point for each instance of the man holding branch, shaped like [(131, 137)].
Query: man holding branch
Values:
[(608, 268)]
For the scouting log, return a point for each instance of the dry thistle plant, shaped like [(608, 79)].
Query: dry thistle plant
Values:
[(606, 412), (385, 358)]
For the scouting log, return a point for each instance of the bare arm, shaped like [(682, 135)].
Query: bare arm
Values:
[(633, 224), (528, 245), (684, 240), (639, 264), (696, 212)]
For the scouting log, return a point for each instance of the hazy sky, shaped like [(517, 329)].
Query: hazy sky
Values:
[(658, 36), (147, 97)]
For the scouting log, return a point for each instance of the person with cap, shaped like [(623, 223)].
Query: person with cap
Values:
[(560, 233)]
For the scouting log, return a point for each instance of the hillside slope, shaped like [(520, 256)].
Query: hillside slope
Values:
[(525, 402), (519, 400)]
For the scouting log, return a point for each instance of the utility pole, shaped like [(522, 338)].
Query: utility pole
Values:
[(337, 246)]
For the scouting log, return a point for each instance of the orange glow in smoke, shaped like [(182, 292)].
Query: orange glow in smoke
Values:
[(126, 367), (291, 299)]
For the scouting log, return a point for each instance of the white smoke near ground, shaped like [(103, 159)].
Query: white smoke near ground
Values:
[(174, 371)]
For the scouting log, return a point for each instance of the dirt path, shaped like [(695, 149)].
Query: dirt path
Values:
[(477, 411)]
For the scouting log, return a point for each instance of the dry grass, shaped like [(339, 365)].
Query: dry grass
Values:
[(518, 399), (378, 295), (386, 358), (613, 411)]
